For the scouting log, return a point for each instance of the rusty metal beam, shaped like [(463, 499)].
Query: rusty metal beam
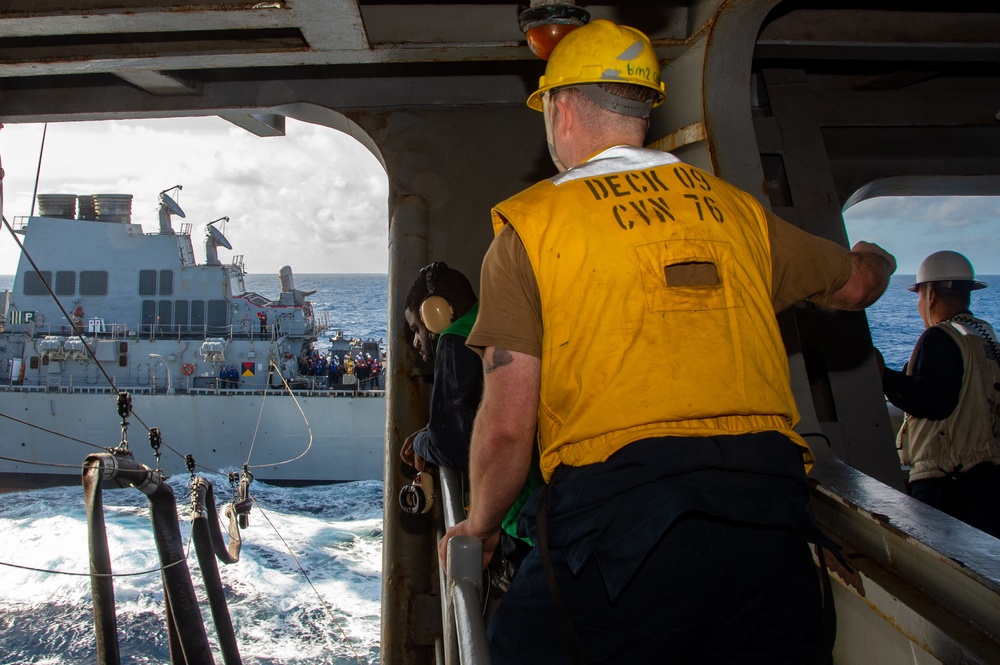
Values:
[(926, 578)]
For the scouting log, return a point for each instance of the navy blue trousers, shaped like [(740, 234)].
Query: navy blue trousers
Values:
[(709, 592)]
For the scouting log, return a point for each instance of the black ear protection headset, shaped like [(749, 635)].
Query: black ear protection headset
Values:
[(435, 310)]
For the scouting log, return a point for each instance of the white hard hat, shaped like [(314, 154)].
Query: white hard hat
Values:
[(950, 268)]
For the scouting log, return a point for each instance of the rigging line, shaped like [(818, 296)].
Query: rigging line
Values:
[(52, 464), (80, 466), (304, 419), (306, 576), (77, 332), (49, 431), (66, 572), (38, 171), (86, 443), (207, 469), (144, 425), (260, 414), (187, 555)]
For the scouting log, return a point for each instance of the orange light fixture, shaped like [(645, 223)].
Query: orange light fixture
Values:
[(545, 25)]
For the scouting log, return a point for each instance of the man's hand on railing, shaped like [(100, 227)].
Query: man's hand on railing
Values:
[(490, 542)]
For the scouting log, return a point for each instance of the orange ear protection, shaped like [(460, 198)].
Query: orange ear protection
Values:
[(435, 310)]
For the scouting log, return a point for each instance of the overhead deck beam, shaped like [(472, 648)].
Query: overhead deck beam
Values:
[(43, 104), (261, 124), (250, 51), (58, 38), (985, 185), (157, 83), (47, 20), (947, 25)]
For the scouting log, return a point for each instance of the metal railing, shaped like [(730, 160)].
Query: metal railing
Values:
[(152, 330), (464, 634), (183, 387)]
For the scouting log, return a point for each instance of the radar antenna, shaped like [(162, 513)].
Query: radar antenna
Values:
[(168, 207), (213, 240)]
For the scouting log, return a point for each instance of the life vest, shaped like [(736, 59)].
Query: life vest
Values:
[(971, 434), (627, 353)]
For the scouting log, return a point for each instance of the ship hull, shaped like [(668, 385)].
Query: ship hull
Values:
[(222, 431)]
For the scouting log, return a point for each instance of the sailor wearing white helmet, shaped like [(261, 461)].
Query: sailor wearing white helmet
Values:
[(950, 393)]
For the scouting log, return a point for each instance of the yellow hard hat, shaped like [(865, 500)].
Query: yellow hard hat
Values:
[(601, 52)]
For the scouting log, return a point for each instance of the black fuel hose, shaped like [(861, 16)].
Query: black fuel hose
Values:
[(184, 618), (208, 544), (101, 583)]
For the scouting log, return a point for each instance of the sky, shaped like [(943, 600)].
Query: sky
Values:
[(912, 227), (315, 199)]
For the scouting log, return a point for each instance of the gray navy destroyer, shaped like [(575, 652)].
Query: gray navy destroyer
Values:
[(213, 367)]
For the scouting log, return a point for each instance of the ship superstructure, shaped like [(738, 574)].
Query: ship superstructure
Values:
[(99, 306)]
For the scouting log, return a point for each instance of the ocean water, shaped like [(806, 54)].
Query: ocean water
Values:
[(335, 532), (355, 304), (895, 324)]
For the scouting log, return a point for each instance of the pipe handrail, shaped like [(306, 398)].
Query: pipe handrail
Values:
[(465, 590), (464, 629)]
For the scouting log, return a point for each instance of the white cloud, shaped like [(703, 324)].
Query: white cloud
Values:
[(912, 227), (314, 199)]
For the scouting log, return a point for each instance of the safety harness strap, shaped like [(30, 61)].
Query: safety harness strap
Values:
[(562, 611), (828, 618)]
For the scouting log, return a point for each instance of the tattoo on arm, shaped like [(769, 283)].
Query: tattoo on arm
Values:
[(500, 358)]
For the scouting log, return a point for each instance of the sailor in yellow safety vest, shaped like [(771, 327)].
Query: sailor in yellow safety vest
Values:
[(675, 506)]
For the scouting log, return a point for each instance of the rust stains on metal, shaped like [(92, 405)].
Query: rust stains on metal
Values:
[(849, 576)]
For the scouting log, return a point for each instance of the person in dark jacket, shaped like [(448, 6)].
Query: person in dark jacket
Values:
[(441, 304), (950, 437)]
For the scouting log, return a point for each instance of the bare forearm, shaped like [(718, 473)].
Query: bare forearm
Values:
[(871, 268), (503, 437), (498, 469)]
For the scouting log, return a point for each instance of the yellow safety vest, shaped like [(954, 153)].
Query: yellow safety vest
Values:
[(626, 353)]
